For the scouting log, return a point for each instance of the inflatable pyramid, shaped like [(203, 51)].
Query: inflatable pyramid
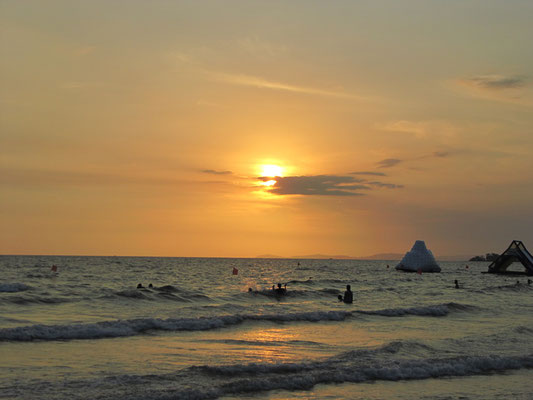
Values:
[(419, 258)]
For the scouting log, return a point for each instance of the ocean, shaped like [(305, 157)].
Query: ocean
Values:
[(87, 332)]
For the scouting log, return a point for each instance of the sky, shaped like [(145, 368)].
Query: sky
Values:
[(243, 128)]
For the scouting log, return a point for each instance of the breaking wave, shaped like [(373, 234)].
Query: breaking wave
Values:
[(254, 378), (438, 310), (211, 382), (132, 327)]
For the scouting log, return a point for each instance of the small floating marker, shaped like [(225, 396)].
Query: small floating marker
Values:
[(235, 271), (54, 268)]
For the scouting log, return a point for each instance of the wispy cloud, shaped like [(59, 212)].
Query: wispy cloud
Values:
[(215, 172), (504, 88), (368, 173), (392, 162), (388, 162), (386, 185), (432, 129), (496, 82), (324, 185), (262, 83)]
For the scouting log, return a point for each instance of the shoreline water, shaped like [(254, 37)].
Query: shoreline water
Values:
[(85, 331)]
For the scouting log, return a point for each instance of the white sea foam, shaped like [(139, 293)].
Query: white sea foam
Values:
[(254, 378), (438, 310), (119, 328), (13, 287), (133, 327)]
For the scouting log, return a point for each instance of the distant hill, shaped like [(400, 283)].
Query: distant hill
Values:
[(325, 257), (379, 256), (383, 256)]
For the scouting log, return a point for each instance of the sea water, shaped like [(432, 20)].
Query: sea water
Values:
[(86, 332)]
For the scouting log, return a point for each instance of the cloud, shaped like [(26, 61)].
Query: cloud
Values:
[(215, 172), (262, 83), (324, 185), (505, 88), (385, 185), (388, 163), (496, 82), (391, 162), (368, 173), (430, 129)]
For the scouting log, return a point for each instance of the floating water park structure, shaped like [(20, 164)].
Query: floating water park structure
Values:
[(418, 259), (516, 252)]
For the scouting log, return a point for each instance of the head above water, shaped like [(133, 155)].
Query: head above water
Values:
[(279, 285), (348, 287)]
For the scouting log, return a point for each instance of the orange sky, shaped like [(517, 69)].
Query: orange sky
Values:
[(141, 128)]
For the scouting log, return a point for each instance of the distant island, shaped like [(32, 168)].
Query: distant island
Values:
[(487, 257)]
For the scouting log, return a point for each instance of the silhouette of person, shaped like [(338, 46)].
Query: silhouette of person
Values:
[(140, 286), (280, 290), (348, 295), (150, 285), (456, 284), (340, 297), (529, 281)]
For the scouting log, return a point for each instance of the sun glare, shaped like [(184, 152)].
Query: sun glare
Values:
[(271, 171)]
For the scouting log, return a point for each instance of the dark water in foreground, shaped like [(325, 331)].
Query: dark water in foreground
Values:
[(87, 332)]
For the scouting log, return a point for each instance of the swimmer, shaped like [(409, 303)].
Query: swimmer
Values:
[(456, 284), (150, 285), (348, 295), (280, 290), (140, 286)]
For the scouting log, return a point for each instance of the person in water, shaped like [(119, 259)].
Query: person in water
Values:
[(140, 286), (456, 284), (280, 290), (348, 295)]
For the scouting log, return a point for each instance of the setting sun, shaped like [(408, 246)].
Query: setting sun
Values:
[(270, 170)]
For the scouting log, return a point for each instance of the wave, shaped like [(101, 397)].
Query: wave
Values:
[(438, 310), (13, 287), (524, 330), (35, 300), (211, 382), (132, 294), (132, 327), (253, 378), (164, 292), (309, 281), (515, 287)]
